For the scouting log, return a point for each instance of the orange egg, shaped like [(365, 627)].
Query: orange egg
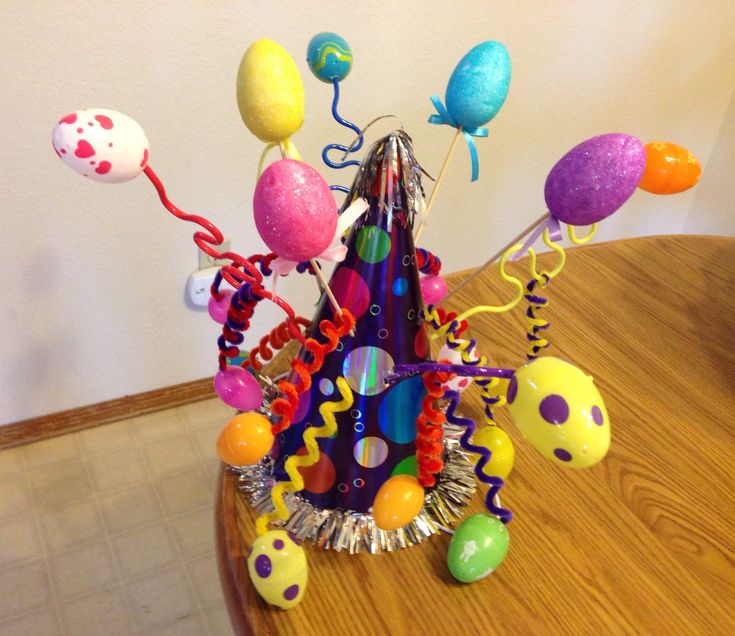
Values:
[(669, 169), (397, 502), (245, 440)]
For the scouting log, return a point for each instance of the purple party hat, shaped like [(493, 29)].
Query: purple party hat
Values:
[(378, 282)]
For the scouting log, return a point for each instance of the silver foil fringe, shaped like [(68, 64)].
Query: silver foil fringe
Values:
[(353, 532)]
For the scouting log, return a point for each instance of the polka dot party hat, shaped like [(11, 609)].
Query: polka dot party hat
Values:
[(378, 282)]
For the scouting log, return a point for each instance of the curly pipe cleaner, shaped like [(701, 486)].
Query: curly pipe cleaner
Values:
[(495, 483), (285, 407), (328, 411)]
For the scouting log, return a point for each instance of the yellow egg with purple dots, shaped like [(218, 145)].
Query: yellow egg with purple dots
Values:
[(558, 408), (278, 568)]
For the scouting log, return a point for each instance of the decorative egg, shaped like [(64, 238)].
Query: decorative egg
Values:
[(245, 439), (270, 94), (595, 178), (294, 210), (479, 85), (278, 568), (397, 502), (669, 169), (559, 410), (329, 57), (101, 144), (237, 388), (500, 445), (454, 356), (218, 308), (433, 289), (477, 548)]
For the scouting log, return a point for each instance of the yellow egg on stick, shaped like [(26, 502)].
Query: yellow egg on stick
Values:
[(270, 94)]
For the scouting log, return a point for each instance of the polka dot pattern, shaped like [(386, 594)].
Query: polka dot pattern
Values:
[(291, 592), (365, 369), (373, 244), (400, 286), (563, 455), (597, 416), (399, 409), (554, 409), (319, 477), (351, 291), (512, 390), (263, 566), (370, 452)]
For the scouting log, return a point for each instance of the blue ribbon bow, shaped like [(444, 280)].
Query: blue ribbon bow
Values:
[(444, 118)]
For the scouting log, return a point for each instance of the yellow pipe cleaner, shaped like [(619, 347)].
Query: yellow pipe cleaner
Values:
[(293, 463), (585, 239), (490, 308)]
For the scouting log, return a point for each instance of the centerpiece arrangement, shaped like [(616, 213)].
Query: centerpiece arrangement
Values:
[(362, 446)]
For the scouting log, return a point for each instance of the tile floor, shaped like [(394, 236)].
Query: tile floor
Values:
[(111, 531)]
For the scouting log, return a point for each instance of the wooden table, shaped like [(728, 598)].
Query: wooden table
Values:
[(641, 543)]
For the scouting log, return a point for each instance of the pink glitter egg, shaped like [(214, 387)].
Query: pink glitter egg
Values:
[(433, 289), (294, 210)]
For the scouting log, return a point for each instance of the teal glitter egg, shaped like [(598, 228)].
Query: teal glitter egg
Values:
[(329, 57), (479, 85)]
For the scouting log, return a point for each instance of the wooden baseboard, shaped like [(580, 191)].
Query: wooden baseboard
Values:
[(46, 426)]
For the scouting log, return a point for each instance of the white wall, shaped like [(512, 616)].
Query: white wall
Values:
[(93, 275)]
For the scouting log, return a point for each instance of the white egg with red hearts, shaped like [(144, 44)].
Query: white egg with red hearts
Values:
[(101, 144), (454, 356)]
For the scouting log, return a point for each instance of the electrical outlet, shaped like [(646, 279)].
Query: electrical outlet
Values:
[(206, 261)]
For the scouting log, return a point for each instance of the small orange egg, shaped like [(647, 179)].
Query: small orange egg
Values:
[(397, 502), (669, 169), (245, 440)]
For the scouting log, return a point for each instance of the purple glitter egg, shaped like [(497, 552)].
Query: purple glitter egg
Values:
[(595, 178)]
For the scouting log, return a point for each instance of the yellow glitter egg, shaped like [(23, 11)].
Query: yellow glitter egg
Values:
[(278, 568), (270, 93), (559, 410)]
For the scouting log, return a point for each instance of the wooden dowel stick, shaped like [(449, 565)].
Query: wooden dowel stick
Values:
[(437, 183), (497, 255), (327, 290)]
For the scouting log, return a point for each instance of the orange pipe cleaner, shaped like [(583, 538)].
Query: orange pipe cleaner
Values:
[(429, 432), (273, 341), (285, 407)]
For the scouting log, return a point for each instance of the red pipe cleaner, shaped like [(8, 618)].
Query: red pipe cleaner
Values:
[(286, 407), (429, 432)]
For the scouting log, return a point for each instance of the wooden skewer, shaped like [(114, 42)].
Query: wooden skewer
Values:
[(322, 282), (497, 255), (437, 183), (327, 290)]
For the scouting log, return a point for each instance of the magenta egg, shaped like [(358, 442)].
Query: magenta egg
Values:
[(433, 289), (294, 210), (237, 388), (218, 308), (595, 178)]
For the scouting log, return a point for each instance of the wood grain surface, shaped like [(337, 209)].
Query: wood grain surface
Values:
[(641, 543)]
